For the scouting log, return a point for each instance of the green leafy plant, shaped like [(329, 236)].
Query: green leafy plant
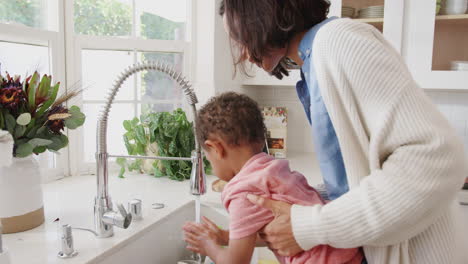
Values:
[(160, 134), (31, 112)]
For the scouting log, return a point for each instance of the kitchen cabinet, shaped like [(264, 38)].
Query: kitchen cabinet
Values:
[(391, 25), (367, 11), (428, 42), (432, 42)]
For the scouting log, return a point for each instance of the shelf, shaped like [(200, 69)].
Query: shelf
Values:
[(450, 41), (442, 80), (452, 19), (372, 21)]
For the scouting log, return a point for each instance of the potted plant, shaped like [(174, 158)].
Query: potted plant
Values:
[(160, 134), (35, 118)]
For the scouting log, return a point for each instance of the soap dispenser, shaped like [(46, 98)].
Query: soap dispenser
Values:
[(4, 255)]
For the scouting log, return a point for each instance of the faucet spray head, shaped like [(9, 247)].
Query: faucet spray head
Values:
[(197, 176)]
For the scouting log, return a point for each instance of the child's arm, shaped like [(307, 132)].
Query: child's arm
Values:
[(207, 239), (239, 250), (222, 236)]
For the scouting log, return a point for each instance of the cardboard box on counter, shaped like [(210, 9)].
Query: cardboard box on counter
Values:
[(276, 119)]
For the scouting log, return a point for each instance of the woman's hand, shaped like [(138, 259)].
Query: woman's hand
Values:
[(278, 233), (200, 236)]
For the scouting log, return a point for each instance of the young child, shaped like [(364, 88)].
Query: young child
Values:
[(232, 133)]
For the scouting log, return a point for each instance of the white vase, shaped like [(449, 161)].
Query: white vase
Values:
[(21, 202)]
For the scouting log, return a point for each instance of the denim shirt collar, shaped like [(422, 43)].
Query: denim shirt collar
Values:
[(305, 46)]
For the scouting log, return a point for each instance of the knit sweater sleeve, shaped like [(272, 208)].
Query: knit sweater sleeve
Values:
[(414, 161)]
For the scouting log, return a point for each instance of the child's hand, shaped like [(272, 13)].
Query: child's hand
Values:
[(201, 236), (222, 236)]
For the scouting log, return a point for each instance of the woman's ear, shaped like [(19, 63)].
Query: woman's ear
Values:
[(216, 148)]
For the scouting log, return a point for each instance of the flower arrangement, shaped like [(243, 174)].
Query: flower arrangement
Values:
[(31, 112)]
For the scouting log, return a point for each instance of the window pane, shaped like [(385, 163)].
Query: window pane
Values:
[(156, 86), (41, 14), (162, 19), (21, 59), (115, 129), (103, 17), (157, 107), (100, 68)]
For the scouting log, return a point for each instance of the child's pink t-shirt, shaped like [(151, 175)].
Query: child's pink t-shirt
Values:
[(265, 176)]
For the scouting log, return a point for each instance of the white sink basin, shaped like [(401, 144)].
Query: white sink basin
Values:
[(163, 241)]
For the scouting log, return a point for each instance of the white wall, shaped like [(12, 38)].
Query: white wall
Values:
[(214, 75), (224, 68), (213, 60), (454, 106), (299, 137), (204, 47)]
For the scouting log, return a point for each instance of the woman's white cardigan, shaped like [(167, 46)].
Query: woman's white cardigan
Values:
[(403, 160)]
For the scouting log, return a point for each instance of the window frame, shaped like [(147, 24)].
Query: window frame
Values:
[(76, 43), (65, 49), (54, 41)]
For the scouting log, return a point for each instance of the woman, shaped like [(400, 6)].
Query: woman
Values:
[(391, 163)]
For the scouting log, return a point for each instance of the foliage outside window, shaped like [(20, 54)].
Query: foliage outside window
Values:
[(110, 17), (26, 12), (103, 17), (152, 91), (114, 18)]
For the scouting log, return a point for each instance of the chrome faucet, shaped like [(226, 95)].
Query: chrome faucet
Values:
[(66, 239), (4, 254), (104, 215), (1, 243)]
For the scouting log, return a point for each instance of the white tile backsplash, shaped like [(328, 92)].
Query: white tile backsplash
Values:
[(286, 93), (454, 106), (299, 137)]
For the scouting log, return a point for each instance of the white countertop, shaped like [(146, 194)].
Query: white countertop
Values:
[(72, 200)]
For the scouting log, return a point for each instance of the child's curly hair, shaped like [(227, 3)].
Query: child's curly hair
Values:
[(234, 117)]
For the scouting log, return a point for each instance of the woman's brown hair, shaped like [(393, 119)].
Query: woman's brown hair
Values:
[(258, 26)]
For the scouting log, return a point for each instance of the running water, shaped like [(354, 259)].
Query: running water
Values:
[(197, 209), (197, 220)]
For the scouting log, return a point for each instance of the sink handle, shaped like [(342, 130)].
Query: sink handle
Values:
[(125, 219), (122, 210), (120, 219)]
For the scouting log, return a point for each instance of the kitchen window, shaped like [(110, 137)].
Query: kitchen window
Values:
[(31, 39), (87, 43)]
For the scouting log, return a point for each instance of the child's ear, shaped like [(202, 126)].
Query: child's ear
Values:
[(216, 148)]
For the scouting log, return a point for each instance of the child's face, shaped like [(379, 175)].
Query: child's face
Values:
[(219, 164)]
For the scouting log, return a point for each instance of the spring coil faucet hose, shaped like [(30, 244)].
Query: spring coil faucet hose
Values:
[(155, 66), (104, 215)]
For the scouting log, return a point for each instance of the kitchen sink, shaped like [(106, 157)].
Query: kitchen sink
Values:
[(163, 241)]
